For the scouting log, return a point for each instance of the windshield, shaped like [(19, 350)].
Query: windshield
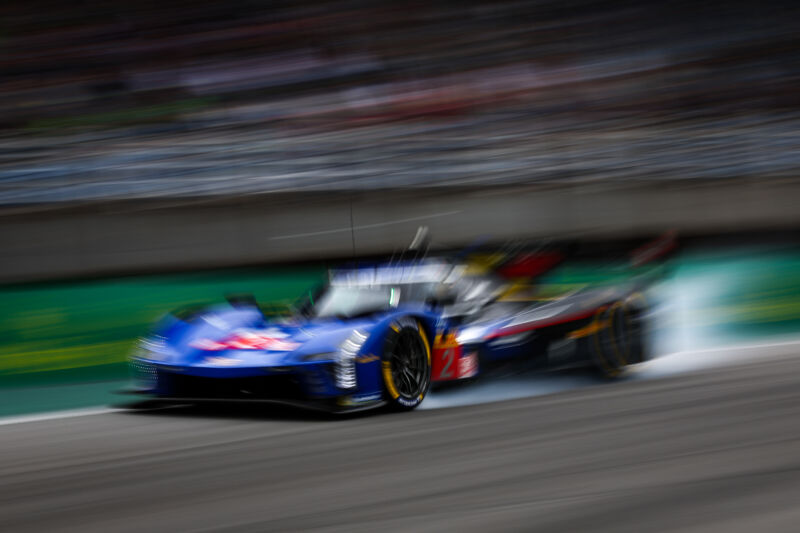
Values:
[(348, 301)]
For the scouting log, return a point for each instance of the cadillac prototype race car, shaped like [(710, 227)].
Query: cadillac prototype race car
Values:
[(380, 335)]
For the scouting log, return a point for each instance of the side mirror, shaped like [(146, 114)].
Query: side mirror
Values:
[(441, 301)]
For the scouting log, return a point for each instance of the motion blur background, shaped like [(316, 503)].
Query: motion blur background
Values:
[(157, 154), (154, 154)]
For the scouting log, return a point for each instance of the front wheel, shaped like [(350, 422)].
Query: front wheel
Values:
[(406, 364)]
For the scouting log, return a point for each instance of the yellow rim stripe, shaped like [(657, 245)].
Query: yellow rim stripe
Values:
[(386, 367), (612, 334), (592, 327), (609, 370), (636, 296), (425, 341)]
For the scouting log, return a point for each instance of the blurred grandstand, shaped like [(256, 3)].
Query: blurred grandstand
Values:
[(186, 99)]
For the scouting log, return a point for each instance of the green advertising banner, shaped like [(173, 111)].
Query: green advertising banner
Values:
[(84, 331)]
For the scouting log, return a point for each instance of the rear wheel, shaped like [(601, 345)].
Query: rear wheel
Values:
[(406, 364), (636, 311), (618, 338)]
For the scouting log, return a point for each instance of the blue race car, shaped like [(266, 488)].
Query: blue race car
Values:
[(364, 340), (381, 335)]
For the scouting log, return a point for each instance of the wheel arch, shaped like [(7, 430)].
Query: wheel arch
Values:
[(428, 325)]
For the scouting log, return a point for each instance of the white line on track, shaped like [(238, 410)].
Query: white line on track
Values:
[(756, 346), (691, 360), (56, 415)]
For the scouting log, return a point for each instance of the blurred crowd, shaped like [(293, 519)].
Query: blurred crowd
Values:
[(120, 99)]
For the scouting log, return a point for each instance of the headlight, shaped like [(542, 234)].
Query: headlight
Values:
[(151, 348), (345, 370), (144, 375)]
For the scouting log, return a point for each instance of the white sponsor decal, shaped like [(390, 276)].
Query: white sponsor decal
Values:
[(468, 365), (221, 361)]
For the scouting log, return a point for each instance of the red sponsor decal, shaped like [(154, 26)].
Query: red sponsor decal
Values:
[(208, 345), (246, 340)]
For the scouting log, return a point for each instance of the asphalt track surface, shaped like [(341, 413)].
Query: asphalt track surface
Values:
[(716, 449)]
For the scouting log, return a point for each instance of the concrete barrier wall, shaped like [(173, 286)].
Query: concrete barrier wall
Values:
[(136, 237)]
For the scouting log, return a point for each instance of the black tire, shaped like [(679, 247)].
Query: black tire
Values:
[(406, 364), (636, 310), (604, 361), (619, 339)]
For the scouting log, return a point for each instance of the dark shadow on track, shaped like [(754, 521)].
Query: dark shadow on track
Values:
[(506, 385), (238, 411)]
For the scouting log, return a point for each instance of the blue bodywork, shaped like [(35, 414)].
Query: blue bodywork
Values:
[(299, 367)]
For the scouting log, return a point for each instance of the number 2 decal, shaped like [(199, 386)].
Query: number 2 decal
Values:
[(447, 357)]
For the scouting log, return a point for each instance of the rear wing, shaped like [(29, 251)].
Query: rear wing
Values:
[(528, 262), (651, 251)]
